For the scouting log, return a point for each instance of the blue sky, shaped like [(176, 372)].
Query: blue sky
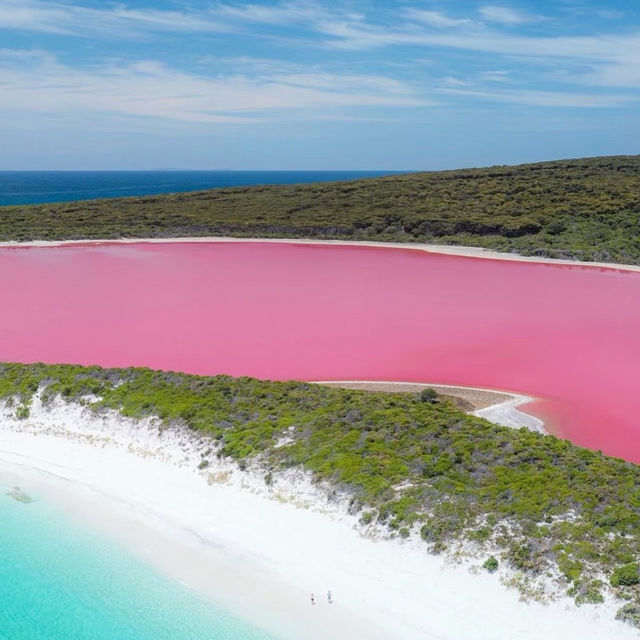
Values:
[(304, 84)]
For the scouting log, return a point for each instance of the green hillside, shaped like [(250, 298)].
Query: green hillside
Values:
[(587, 209), (414, 464)]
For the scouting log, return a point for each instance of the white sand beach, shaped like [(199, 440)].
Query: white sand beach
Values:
[(453, 250), (260, 550)]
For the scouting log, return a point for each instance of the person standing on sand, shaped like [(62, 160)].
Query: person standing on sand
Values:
[(329, 597), (313, 599)]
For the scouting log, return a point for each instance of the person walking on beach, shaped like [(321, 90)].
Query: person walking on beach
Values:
[(313, 599), (329, 597)]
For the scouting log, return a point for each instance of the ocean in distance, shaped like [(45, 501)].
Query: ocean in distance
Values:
[(61, 580), (35, 187)]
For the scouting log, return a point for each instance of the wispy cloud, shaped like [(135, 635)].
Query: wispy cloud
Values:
[(505, 15), (455, 82), (436, 18), (494, 75), (283, 13), (38, 82), (547, 98), (114, 21), (242, 88), (602, 59)]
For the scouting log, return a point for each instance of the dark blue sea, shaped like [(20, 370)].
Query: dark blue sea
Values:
[(32, 187)]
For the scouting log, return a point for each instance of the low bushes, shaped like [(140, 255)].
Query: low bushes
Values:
[(535, 502)]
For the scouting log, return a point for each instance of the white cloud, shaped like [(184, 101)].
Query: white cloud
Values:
[(547, 98), (602, 59), (115, 21), (286, 12), (495, 75), (504, 15), (37, 82), (455, 82), (436, 18)]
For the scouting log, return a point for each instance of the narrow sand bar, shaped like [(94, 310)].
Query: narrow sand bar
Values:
[(500, 407), (261, 551), (478, 398)]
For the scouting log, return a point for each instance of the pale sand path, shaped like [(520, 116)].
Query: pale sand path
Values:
[(454, 250), (259, 554)]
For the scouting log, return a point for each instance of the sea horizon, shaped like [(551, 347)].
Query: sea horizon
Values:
[(18, 187)]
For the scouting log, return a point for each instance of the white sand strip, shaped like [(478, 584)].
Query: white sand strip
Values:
[(508, 415), (454, 250), (505, 412), (257, 550)]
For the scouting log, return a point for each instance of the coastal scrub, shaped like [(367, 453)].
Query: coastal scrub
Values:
[(534, 503)]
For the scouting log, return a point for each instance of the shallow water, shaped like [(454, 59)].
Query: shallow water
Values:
[(566, 334), (63, 581)]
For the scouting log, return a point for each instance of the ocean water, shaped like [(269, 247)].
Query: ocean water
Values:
[(62, 581), (32, 187)]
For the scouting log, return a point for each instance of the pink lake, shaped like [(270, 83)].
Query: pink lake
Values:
[(568, 335)]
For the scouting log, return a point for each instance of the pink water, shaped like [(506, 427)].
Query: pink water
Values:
[(568, 335)]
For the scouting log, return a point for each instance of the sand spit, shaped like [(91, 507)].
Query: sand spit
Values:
[(499, 407), (260, 549), (477, 397), (453, 250)]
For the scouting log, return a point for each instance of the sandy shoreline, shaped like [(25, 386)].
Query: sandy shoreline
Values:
[(500, 407), (453, 250), (260, 551), (478, 397)]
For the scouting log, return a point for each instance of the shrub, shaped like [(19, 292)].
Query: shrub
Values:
[(491, 564), (428, 395), (629, 613), (625, 576), (367, 517), (22, 412), (587, 592)]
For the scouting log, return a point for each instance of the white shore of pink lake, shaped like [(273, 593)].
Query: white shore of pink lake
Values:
[(260, 550), (497, 406), (454, 250)]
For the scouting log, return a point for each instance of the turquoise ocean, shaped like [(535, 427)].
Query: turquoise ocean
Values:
[(60, 580)]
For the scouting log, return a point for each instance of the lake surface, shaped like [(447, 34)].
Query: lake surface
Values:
[(63, 581), (33, 187), (566, 334)]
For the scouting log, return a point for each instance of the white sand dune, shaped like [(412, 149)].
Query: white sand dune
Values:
[(261, 550)]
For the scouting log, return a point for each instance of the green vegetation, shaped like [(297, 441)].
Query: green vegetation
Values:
[(540, 505), (428, 395), (587, 209), (630, 613), (491, 564), (627, 575)]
